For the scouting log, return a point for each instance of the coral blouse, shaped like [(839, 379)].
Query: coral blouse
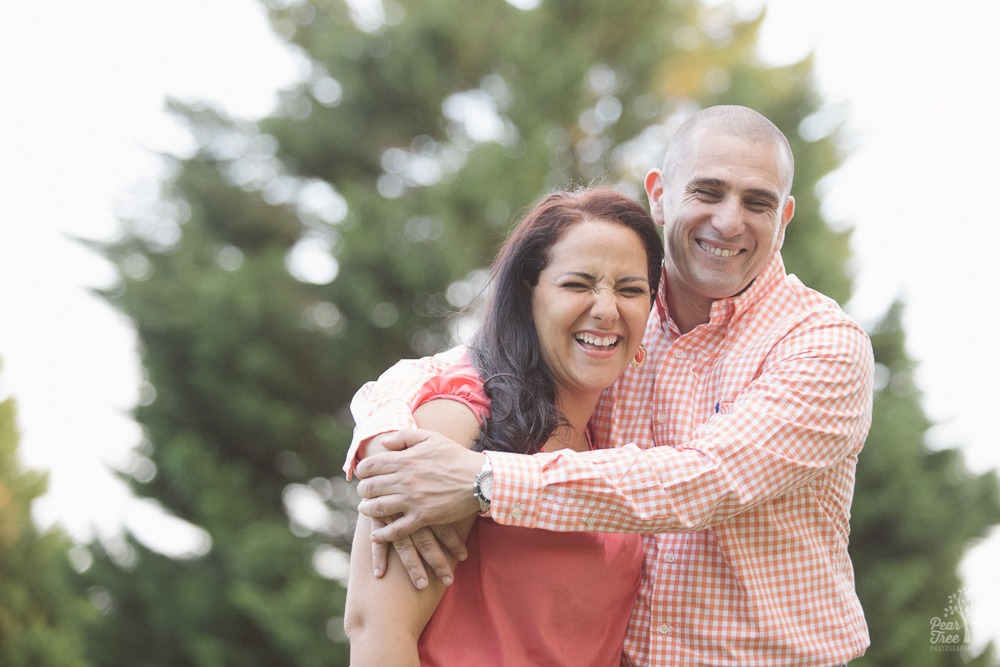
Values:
[(528, 596)]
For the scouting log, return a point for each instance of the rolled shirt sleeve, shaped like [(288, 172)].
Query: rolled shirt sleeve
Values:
[(384, 406)]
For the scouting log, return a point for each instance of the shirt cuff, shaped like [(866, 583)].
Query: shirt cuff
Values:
[(517, 483), (392, 416)]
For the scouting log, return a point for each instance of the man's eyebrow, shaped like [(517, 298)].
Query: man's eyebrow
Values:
[(706, 181)]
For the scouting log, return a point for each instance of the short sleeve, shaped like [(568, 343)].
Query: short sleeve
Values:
[(459, 382)]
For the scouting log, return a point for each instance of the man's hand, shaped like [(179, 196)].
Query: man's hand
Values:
[(430, 483), (425, 545)]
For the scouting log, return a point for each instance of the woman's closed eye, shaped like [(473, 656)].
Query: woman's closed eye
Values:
[(634, 290), (624, 290)]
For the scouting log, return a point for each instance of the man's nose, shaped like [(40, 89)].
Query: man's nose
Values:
[(728, 219)]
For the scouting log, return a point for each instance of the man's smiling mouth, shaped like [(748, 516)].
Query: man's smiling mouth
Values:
[(718, 252)]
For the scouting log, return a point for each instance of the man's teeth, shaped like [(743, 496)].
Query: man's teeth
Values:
[(598, 341), (718, 252)]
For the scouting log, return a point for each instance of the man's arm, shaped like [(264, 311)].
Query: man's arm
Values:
[(808, 411), (383, 406)]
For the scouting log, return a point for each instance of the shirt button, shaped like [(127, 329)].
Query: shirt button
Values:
[(670, 557), (516, 512), (663, 629), (679, 354), (591, 521), (661, 418)]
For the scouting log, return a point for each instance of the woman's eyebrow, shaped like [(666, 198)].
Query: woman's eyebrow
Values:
[(586, 276)]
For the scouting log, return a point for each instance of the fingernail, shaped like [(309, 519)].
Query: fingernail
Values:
[(378, 572), (463, 556), (446, 580), (421, 584)]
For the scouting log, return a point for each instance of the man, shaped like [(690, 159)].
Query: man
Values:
[(743, 425)]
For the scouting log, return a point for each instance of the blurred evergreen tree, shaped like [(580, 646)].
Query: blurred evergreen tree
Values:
[(41, 616), (289, 260), (916, 510)]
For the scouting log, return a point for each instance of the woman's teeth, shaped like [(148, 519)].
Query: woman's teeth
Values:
[(598, 341)]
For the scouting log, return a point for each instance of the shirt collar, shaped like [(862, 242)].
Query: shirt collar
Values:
[(723, 310)]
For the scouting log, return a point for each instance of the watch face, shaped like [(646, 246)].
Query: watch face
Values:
[(486, 486)]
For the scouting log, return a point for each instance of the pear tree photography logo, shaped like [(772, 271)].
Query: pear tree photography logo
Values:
[(951, 631)]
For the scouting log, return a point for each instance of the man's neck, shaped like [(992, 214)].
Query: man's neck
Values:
[(688, 314)]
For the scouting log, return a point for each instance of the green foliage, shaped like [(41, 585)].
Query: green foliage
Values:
[(374, 158), (40, 619), (916, 510)]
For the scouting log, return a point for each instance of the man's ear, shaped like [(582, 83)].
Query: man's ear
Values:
[(787, 212), (654, 193)]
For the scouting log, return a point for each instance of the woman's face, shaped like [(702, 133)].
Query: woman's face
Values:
[(590, 306)]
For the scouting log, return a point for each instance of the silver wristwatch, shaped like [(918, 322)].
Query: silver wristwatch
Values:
[(484, 488)]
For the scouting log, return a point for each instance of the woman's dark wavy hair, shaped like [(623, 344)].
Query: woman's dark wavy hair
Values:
[(505, 349)]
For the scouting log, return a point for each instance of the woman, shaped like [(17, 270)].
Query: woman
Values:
[(572, 289)]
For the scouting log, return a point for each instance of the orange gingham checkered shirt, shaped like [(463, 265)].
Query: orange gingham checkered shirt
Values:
[(743, 437)]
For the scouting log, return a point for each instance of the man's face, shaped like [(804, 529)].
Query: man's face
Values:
[(723, 216)]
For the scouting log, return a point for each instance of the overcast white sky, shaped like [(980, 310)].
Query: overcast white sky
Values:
[(84, 85)]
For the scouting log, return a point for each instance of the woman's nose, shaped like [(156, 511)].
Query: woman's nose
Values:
[(605, 306)]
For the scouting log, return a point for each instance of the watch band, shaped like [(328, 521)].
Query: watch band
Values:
[(484, 488)]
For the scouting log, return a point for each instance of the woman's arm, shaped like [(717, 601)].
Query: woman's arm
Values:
[(385, 616)]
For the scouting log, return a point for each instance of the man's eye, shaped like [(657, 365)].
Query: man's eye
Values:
[(706, 194)]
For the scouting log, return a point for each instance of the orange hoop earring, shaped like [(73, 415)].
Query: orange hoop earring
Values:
[(640, 357)]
